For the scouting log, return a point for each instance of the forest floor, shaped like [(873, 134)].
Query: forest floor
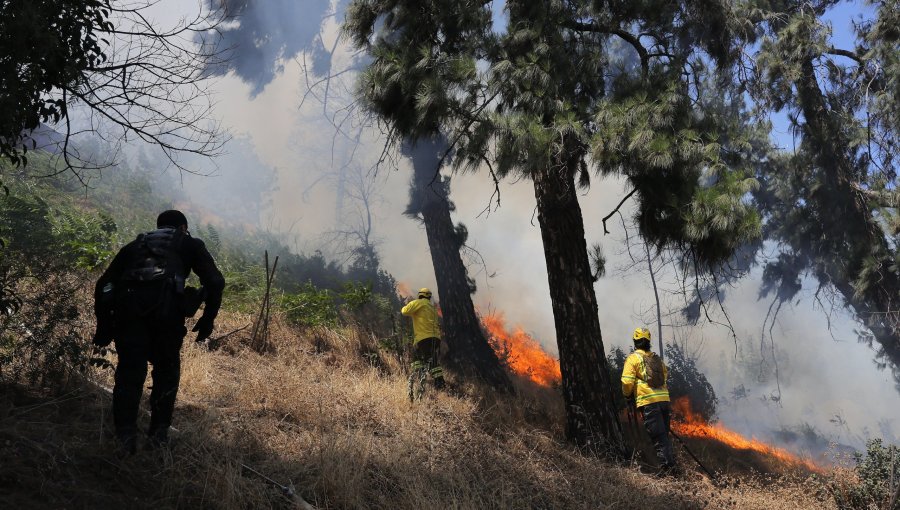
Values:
[(326, 413)]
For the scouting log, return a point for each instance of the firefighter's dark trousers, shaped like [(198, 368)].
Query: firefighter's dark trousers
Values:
[(426, 354), (139, 342), (656, 421)]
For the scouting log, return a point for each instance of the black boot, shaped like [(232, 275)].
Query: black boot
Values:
[(127, 443), (158, 438)]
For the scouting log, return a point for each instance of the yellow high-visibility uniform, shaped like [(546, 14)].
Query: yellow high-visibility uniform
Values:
[(635, 375), (425, 319)]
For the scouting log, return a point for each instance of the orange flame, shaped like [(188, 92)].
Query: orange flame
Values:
[(689, 424), (403, 289), (524, 354)]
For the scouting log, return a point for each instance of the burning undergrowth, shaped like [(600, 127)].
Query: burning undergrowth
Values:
[(524, 356), (689, 424), (694, 399), (521, 352)]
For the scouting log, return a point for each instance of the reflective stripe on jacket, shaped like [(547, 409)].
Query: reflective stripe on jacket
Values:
[(425, 319), (634, 374)]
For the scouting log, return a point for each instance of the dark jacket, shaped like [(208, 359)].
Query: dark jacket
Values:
[(194, 257)]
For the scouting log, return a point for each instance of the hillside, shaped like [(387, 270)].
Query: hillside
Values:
[(322, 410), (336, 425)]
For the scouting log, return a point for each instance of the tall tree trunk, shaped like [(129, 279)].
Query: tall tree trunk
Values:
[(849, 223), (591, 418), (468, 349)]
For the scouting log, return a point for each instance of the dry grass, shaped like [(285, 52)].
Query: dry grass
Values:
[(328, 413)]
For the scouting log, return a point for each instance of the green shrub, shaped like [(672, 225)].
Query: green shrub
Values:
[(311, 307), (50, 245), (356, 295), (878, 480), (686, 380)]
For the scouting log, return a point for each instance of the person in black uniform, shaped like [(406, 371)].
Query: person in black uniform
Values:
[(141, 303)]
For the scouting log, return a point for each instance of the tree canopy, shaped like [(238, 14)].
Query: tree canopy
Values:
[(831, 205), (128, 78)]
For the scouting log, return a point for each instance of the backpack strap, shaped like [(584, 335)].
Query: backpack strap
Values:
[(174, 263)]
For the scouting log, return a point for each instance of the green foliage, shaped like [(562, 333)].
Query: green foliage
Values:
[(688, 163), (355, 303), (566, 80), (831, 205), (356, 295), (245, 283), (87, 238), (51, 244), (311, 307), (878, 473), (412, 80), (60, 234), (686, 380), (65, 39)]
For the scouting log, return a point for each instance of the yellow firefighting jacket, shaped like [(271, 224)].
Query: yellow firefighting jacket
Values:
[(634, 374), (425, 319)]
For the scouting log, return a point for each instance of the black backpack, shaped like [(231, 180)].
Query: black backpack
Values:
[(153, 279)]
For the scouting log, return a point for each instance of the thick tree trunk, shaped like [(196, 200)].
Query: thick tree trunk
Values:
[(469, 351), (849, 225), (591, 418)]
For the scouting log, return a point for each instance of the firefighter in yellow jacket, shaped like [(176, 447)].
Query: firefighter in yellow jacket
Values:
[(644, 378), (426, 343)]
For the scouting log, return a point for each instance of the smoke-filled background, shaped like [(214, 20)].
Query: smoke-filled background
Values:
[(302, 160)]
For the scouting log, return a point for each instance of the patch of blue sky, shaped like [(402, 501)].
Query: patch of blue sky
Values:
[(499, 18)]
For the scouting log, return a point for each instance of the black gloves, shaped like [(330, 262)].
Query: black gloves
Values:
[(103, 336), (203, 328), (193, 298)]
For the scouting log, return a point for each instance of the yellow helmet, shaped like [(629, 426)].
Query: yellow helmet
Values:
[(424, 292), (641, 333)]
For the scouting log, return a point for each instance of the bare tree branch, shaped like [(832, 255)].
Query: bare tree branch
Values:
[(143, 83), (614, 211)]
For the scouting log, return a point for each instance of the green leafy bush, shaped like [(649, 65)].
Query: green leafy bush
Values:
[(356, 295), (877, 480), (311, 307), (50, 246), (686, 380)]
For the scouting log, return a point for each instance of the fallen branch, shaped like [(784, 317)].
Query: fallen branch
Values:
[(213, 343), (226, 335), (287, 490), (709, 473)]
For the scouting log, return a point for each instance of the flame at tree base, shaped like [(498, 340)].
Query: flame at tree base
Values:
[(522, 353), (689, 424)]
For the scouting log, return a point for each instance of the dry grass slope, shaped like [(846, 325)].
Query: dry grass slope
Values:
[(336, 424)]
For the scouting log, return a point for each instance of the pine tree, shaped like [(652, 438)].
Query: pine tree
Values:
[(832, 205), (534, 100), (429, 199)]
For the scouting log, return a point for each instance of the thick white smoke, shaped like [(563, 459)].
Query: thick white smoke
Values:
[(830, 384)]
